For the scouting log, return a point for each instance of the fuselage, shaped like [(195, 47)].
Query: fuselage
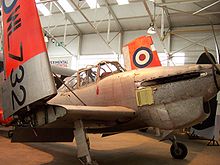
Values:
[(164, 97)]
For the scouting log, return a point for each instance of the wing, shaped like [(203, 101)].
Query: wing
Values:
[(61, 130), (65, 115), (103, 113)]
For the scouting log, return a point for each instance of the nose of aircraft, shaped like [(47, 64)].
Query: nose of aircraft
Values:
[(208, 58), (217, 76)]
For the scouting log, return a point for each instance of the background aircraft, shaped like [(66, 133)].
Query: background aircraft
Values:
[(101, 99)]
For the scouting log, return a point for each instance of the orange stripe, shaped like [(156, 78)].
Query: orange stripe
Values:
[(28, 34)]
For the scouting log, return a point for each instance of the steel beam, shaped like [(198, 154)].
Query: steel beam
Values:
[(195, 42), (157, 31), (192, 30), (65, 30), (162, 23), (168, 16), (68, 17), (210, 13), (184, 12), (204, 8), (120, 45), (51, 36), (90, 23), (190, 45), (114, 37), (79, 49), (109, 27), (113, 15), (179, 2), (45, 1), (71, 40), (199, 5), (216, 44)]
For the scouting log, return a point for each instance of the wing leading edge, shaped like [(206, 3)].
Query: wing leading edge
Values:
[(103, 113)]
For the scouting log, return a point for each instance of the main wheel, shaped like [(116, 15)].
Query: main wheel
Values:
[(179, 151), (10, 134)]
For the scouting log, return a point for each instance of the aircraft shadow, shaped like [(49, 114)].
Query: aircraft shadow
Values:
[(147, 152), (123, 156), (135, 155)]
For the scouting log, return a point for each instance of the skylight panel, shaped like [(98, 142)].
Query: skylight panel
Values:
[(42, 8), (93, 4), (66, 6), (122, 2)]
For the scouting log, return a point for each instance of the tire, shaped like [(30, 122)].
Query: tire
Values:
[(178, 152)]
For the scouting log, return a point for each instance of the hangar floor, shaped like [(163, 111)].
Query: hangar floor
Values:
[(123, 149)]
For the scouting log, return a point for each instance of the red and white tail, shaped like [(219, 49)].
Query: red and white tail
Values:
[(27, 74), (140, 53)]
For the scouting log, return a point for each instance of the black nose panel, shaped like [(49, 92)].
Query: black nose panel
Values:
[(203, 59)]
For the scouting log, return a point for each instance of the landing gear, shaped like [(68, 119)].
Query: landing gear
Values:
[(177, 150), (10, 134), (82, 143)]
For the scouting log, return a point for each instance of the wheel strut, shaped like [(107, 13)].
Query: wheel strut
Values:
[(82, 143)]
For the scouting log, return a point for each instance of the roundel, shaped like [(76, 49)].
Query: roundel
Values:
[(8, 5), (142, 57)]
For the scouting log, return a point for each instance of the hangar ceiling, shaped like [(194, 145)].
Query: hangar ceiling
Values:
[(167, 16), (111, 17)]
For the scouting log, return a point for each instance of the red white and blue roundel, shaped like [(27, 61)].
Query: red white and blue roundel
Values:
[(142, 57)]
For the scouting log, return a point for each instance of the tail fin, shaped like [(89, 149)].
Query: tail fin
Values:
[(27, 76), (140, 53)]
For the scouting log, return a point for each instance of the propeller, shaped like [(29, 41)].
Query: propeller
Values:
[(211, 105)]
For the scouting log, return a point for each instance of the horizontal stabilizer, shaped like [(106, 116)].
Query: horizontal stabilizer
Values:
[(62, 71), (43, 135)]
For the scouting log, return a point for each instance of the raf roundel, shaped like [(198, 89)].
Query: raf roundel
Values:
[(142, 57), (8, 5)]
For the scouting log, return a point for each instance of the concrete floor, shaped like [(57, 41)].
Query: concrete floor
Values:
[(123, 149)]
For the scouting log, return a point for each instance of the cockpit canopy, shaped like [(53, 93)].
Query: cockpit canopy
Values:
[(92, 74)]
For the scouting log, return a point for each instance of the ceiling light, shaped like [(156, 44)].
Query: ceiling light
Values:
[(66, 5), (151, 29), (93, 4), (42, 8), (46, 39), (122, 2)]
